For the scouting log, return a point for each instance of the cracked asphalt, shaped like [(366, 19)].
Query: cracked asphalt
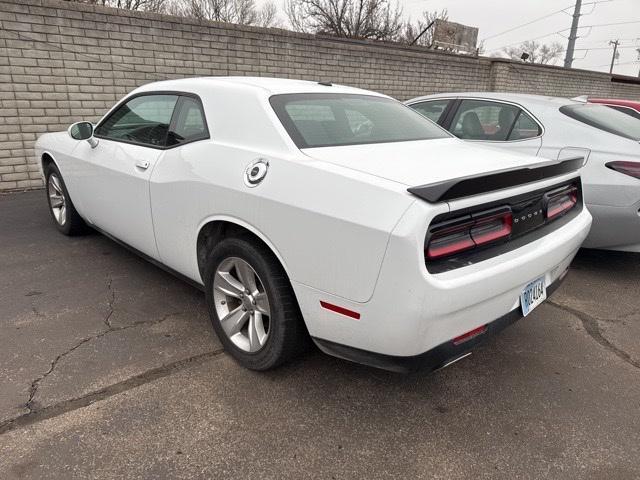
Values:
[(109, 369)]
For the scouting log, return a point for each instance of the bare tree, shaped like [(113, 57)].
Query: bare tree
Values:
[(145, 5), (242, 12), (538, 52), (410, 30), (372, 19), (267, 16)]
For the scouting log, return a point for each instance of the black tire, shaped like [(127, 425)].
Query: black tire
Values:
[(287, 336), (71, 224)]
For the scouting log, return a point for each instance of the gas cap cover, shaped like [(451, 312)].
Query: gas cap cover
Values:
[(255, 172)]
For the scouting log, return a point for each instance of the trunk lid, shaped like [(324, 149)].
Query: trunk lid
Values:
[(423, 161)]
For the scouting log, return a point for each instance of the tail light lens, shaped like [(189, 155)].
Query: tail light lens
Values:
[(492, 227), (465, 233), (561, 201), (628, 168), (449, 239)]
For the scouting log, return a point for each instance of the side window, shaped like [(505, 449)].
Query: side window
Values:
[(189, 123), (433, 109), (143, 120), (525, 127), (484, 120)]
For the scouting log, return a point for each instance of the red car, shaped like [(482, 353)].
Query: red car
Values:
[(625, 106)]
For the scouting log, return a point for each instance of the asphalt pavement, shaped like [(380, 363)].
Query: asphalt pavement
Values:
[(109, 369)]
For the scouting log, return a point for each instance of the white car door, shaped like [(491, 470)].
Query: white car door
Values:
[(497, 124), (114, 176)]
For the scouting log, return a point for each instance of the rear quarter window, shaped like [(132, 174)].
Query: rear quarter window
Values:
[(432, 109), (605, 119)]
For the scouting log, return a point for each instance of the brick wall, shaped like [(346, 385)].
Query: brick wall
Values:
[(61, 62)]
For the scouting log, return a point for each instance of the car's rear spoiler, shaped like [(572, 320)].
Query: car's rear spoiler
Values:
[(498, 180)]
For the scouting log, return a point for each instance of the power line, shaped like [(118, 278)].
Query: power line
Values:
[(530, 40), (607, 40), (607, 24), (565, 29), (525, 24), (607, 64), (562, 10), (605, 48)]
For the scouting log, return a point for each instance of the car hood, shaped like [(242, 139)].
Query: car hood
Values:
[(421, 162)]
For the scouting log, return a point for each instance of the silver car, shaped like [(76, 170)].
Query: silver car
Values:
[(559, 128)]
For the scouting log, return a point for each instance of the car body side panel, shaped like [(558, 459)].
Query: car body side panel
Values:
[(617, 228), (329, 225), (529, 147)]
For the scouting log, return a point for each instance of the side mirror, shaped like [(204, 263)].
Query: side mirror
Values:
[(83, 131)]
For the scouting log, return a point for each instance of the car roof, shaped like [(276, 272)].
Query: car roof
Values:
[(521, 98), (263, 85)]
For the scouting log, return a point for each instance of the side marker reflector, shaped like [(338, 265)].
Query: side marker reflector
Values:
[(341, 310), (465, 337)]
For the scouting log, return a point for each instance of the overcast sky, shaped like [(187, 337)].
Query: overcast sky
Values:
[(495, 16)]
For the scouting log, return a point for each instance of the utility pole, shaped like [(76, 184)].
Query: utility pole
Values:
[(615, 44), (573, 35)]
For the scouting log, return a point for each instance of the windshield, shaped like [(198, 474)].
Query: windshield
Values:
[(605, 118), (328, 120)]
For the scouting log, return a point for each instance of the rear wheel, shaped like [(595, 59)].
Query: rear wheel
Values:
[(252, 305), (63, 213)]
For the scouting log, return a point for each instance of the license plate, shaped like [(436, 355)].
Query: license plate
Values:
[(533, 295)]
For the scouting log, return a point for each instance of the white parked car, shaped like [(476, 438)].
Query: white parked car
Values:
[(558, 128), (304, 207)]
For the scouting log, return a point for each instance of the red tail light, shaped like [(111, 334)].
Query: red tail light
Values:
[(451, 237), (470, 231), (561, 201), (628, 168), (493, 227)]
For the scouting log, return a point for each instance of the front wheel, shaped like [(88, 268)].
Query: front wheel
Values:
[(252, 305), (64, 215)]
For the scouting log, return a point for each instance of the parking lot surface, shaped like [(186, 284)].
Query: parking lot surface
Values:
[(109, 369)]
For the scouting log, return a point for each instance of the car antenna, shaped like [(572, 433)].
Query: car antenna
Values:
[(326, 84)]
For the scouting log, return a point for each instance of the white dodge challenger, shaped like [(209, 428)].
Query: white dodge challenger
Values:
[(306, 208)]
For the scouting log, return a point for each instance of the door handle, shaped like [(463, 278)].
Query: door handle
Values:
[(142, 164)]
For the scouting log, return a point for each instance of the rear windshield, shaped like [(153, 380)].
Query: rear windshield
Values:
[(605, 118), (626, 110), (328, 120)]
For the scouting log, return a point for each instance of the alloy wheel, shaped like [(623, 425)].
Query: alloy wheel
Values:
[(241, 304), (57, 200)]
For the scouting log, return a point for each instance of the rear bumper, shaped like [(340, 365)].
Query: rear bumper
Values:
[(433, 359), (413, 311)]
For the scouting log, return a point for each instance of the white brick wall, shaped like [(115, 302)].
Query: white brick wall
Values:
[(61, 62)]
